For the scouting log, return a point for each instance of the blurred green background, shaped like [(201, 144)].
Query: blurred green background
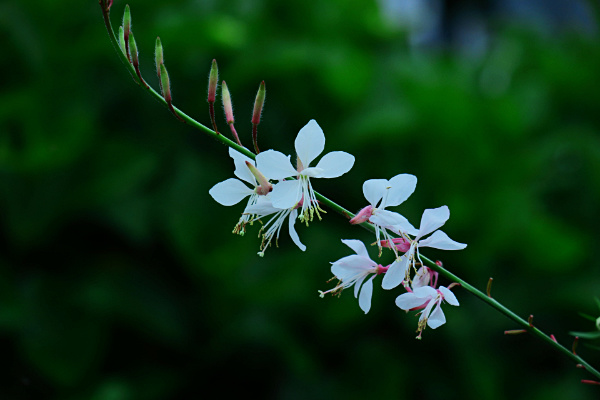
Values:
[(120, 278)]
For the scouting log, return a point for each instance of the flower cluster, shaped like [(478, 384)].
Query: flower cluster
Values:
[(404, 240), (278, 190), (291, 195)]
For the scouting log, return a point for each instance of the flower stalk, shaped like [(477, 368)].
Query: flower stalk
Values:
[(166, 100)]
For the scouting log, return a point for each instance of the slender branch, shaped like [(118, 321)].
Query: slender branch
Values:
[(341, 210)]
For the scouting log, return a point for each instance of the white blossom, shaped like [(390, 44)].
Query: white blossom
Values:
[(309, 144)]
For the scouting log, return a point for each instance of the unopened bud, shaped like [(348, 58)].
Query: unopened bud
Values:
[(127, 22), (122, 40), (362, 216), (212, 82), (133, 51), (264, 185), (515, 331), (158, 55), (400, 243), (227, 106), (259, 103), (164, 82)]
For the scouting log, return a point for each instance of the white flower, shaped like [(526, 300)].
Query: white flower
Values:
[(262, 208), (382, 193), (231, 191), (427, 298), (353, 270), (431, 220), (309, 144)]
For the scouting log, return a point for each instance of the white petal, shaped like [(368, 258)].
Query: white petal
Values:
[(358, 247), (275, 165), (366, 292), (286, 194), (408, 301), (357, 284), (432, 219), (241, 169), (448, 296), (402, 186), (374, 189), (425, 292), (389, 218), (439, 240), (436, 318), (335, 164), (395, 273), (312, 172), (292, 230), (230, 192), (262, 207), (310, 142), (346, 267)]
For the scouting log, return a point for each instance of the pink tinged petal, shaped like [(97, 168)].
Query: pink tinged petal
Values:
[(358, 247), (448, 296), (374, 189), (402, 186), (366, 293), (292, 230), (439, 240), (286, 194), (432, 219), (395, 273), (408, 301), (335, 164), (241, 170), (230, 192), (275, 165), (310, 142), (437, 317)]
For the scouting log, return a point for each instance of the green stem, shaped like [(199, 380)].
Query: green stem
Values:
[(341, 210)]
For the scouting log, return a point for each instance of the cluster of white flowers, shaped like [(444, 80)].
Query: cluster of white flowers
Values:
[(292, 196), (280, 191)]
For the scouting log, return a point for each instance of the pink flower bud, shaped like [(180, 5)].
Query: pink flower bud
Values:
[(400, 243), (259, 103), (264, 185), (213, 78), (227, 106), (362, 216)]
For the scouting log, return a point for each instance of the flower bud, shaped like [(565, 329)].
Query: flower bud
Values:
[(133, 51), (158, 55), (213, 78), (122, 40), (362, 216), (227, 106), (127, 21), (164, 82), (259, 103), (401, 244), (264, 185)]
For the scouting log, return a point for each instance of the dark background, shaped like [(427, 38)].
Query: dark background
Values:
[(120, 278)]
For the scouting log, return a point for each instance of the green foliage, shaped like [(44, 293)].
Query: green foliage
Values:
[(119, 275)]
